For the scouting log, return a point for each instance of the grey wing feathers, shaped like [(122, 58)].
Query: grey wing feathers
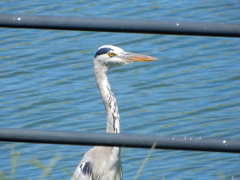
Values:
[(83, 172), (85, 168), (99, 163)]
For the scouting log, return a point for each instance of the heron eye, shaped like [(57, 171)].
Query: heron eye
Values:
[(111, 54)]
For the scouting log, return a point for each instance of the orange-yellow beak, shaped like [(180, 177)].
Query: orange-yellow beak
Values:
[(136, 57)]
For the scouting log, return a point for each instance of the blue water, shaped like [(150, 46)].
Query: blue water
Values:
[(193, 89)]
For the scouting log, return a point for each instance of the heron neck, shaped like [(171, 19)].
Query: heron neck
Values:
[(109, 101)]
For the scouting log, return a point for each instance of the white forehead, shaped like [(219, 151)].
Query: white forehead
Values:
[(114, 48)]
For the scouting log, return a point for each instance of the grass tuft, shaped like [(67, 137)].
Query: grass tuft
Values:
[(145, 161)]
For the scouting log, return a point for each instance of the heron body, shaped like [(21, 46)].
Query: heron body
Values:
[(104, 163)]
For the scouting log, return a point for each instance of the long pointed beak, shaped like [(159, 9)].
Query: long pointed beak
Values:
[(136, 57)]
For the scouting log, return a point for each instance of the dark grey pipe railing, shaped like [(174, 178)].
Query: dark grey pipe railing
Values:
[(120, 25), (130, 26), (121, 140)]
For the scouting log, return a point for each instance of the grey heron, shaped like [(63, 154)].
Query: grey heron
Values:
[(104, 163)]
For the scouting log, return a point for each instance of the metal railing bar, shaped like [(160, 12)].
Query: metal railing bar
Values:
[(121, 140), (120, 25)]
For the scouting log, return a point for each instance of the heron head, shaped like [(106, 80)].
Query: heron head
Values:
[(114, 56)]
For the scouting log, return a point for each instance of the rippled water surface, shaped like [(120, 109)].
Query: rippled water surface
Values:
[(47, 82)]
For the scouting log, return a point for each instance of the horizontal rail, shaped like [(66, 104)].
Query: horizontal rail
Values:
[(121, 140), (120, 25)]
